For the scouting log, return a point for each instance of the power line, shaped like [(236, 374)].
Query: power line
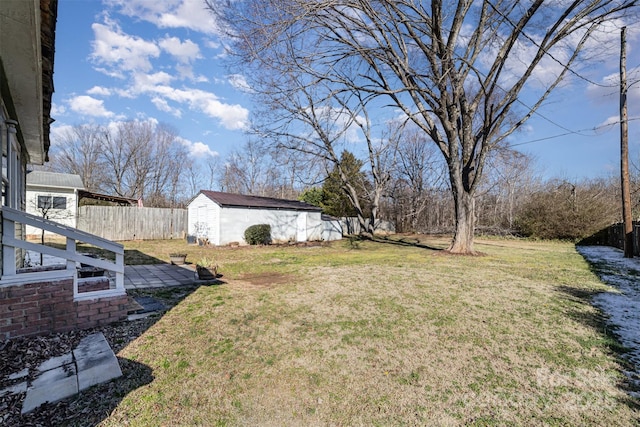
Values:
[(546, 51), (570, 132)]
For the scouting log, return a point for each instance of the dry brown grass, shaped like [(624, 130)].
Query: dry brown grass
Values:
[(379, 334)]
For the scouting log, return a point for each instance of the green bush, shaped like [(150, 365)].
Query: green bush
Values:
[(258, 234)]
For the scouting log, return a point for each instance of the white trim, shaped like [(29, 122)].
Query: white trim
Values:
[(39, 276), (83, 296), (10, 242), (37, 221)]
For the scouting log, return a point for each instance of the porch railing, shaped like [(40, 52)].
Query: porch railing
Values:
[(11, 244)]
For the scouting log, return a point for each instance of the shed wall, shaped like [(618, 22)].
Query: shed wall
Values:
[(204, 219), (331, 230), (63, 216), (224, 225), (284, 224)]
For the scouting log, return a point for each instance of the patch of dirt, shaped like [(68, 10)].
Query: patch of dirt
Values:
[(264, 279)]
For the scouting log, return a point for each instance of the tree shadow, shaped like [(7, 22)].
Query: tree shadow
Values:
[(607, 337), (93, 405), (405, 241)]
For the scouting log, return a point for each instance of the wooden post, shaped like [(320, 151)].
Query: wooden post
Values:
[(624, 151)]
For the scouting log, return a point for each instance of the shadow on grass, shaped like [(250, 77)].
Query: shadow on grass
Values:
[(405, 241), (606, 336), (92, 406)]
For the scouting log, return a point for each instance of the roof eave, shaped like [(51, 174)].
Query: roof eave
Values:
[(21, 37)]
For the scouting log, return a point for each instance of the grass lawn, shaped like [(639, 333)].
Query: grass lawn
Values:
[(372, 333)]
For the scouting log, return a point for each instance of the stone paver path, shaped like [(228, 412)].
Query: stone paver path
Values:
[(158, 276)]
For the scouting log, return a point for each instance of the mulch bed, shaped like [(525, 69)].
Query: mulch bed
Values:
[(90, 406)]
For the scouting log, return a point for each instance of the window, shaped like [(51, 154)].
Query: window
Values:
[(52, 202)]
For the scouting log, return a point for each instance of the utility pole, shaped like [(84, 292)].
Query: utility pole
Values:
[(624, 150)]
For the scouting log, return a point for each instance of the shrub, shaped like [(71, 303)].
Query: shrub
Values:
[(567, 211), (258, 234)]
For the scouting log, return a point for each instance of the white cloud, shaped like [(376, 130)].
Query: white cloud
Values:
[(607, 89), (343, 126), (190, 14), (143, 82), (120, 51), (608, 124), (213, 44), (88, 106), (197, 149), (59, 132), (232, 117), (163, 105), (185, 52), (185, 71), (57, 109), (99, 91), (239, 82)]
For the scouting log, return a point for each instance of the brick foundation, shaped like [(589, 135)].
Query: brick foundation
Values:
[(94, 284), (45, 307)]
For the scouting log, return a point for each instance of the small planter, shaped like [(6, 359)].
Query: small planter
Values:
[(177, 259), (207, 273)]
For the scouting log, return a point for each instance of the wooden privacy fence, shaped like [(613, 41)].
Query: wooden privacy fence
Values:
[(132, 223), (614, 236)]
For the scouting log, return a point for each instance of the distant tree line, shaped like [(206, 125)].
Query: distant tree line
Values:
[(147, 160), (134, 159)]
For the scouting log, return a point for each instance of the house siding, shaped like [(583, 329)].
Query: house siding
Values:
[(66, 216)]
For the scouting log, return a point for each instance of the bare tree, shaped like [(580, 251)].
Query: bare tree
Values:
[(248, 170), (136, 159), (79, 152), (124, 150), (455, 70), (509, 183), (168, 160), (420, 174)]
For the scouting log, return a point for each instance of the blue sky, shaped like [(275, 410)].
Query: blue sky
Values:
[(163, 60)]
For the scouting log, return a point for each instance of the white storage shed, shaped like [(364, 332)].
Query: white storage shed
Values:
[(222, 218), (53, 196)]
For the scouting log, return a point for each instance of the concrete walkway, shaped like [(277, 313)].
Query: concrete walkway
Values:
[(158, 276)]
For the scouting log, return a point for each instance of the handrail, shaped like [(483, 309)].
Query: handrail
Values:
[(55, 227), (10, 242)]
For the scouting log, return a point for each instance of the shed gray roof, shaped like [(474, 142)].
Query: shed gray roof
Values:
[(54, 180), (242, 201)]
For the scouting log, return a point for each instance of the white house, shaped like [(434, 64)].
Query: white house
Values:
[(222, 218), (37, 300), (53, 196)]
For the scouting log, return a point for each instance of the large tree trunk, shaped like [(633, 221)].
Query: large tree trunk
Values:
[(464, 202)]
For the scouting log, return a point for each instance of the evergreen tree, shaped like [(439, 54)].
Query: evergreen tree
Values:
[(335, 196)]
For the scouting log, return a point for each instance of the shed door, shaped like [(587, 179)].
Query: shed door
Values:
[(201, 228), (302, 227)]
